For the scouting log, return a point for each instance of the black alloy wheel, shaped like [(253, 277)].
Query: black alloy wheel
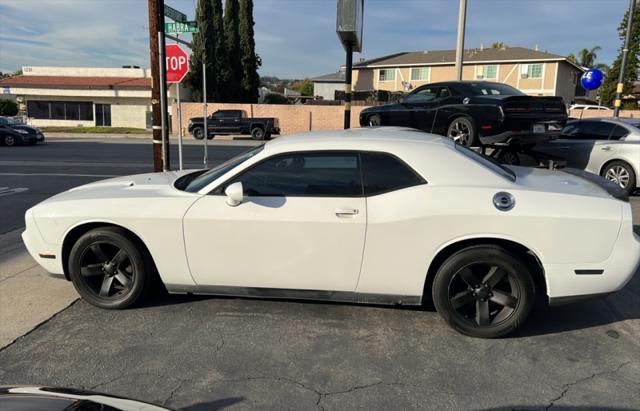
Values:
[(374, 121), (257, 133), (9, 141), (108, 269), (461, 131), (484, 292), (198, 133)]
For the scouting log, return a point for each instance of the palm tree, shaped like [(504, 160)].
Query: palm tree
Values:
[(498, 45), (587, 58)]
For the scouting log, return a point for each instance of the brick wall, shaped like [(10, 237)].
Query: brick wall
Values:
[(292, 118), (602, 113)]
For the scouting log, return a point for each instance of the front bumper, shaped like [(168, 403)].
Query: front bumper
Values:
[(47, 255)]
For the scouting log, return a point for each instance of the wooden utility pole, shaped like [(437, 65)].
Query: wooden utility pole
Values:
[(155, 11)]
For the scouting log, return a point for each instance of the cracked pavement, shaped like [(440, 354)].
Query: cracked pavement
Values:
[(199, 353)]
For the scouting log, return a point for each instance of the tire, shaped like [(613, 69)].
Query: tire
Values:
[(484, 292), (622, 174), (198, 133), (9, 141), (257, 133), (508, 157), (462, 131), (109, 270), (374, 121)]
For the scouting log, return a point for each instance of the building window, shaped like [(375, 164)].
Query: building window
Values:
[(60, 110), (387, 75), (489, 72), (532, 70), (421, 73)]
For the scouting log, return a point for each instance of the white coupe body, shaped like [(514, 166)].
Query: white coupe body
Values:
[(367, 248)]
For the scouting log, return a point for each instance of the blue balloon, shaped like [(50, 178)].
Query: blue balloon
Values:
[(592, 79)]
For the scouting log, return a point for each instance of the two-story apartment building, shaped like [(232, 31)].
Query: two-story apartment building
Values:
[(533, 72)]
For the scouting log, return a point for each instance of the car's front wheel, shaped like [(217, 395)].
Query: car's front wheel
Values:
[(198, 133), (108, 269), (484, 291), (622, 174), (374, 121), (9, 141)]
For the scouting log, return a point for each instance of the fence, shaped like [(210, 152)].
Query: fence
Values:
[(602, 113), (292, 118)]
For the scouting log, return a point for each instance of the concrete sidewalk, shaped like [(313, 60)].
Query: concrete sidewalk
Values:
[(28, 296)]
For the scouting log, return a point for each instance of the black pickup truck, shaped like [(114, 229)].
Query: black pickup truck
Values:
[(474, 113), (234, 122)]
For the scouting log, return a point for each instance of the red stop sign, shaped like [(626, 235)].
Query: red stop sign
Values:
[(177, 63)]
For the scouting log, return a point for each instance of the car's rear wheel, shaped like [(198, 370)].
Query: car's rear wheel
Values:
[(257, 133), (622, 174), (9, 141), (108, 269), (374, 121), (198, 133), (484, 291), (462, 131)]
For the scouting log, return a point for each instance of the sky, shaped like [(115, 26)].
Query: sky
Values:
[(296, 38)]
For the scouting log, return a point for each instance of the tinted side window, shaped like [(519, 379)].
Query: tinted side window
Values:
[(588, 130), (424, 95), (382, 173), (618, 132), (301, 175)]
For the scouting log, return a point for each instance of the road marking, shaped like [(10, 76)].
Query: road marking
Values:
[(59, 175), (6, 191)]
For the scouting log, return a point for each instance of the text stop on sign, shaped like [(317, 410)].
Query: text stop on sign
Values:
[(177, 63)]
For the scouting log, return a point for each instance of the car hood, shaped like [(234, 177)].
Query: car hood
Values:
[(140, 185), (29, 129), (562, 181)]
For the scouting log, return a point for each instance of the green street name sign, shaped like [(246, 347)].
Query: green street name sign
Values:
[(174, 14), (186, 27)]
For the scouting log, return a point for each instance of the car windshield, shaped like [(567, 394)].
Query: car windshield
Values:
[(204, 179), (487, 162), (493, 89)]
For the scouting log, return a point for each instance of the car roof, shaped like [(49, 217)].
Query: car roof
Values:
[(362, 137)]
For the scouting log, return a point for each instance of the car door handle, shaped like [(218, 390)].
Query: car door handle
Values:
[(606, 148), (346, 212)]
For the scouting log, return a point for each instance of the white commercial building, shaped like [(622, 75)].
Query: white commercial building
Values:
[(82, 96)]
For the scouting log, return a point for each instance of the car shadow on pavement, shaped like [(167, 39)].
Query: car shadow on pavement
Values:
[(213, 405)]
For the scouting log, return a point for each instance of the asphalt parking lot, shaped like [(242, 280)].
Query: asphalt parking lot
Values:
[(200, 353)]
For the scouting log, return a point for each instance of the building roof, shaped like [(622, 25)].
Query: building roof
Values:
[(76, 82), (337, 77), (435, 57)]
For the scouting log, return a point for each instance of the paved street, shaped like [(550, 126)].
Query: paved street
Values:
[(201, 353)]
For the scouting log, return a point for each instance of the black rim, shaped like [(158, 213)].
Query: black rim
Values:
[(374, 121), (107, 270), (258, 133), (484, 294)]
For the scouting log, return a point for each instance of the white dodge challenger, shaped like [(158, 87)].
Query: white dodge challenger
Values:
[(386, 215)]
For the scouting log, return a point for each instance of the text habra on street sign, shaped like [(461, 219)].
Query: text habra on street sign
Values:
[(186, 27)]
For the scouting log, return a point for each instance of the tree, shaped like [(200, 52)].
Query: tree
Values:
[(608, 90), (499, 45), (249, 60), (232, 46), (305, 87), (8, 108), (209, 46), (587, 58)]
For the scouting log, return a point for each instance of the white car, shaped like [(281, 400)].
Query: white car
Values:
[(608, 147), (589, 107), (387, 215)]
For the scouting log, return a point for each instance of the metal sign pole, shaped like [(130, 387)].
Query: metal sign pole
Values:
[(179, 125), (204, 105), (623, 66), (163, 97)]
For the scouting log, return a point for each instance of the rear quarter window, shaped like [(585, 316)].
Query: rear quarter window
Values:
[(382, 173)]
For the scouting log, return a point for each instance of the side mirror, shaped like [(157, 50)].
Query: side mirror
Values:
[(235, 194)]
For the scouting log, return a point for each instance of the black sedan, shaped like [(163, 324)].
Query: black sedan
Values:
[(25, 134), (474, 113)]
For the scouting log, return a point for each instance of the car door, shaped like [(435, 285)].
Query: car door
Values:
[(606, 149), (232, 121), (577, 141), (301, 226), (215, 123), (422, 105)]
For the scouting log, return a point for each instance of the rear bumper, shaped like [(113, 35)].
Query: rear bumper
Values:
[(275, 130), (519, 137), (577, 281)]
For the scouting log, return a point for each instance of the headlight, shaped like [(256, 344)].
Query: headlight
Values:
[(21, 131)]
